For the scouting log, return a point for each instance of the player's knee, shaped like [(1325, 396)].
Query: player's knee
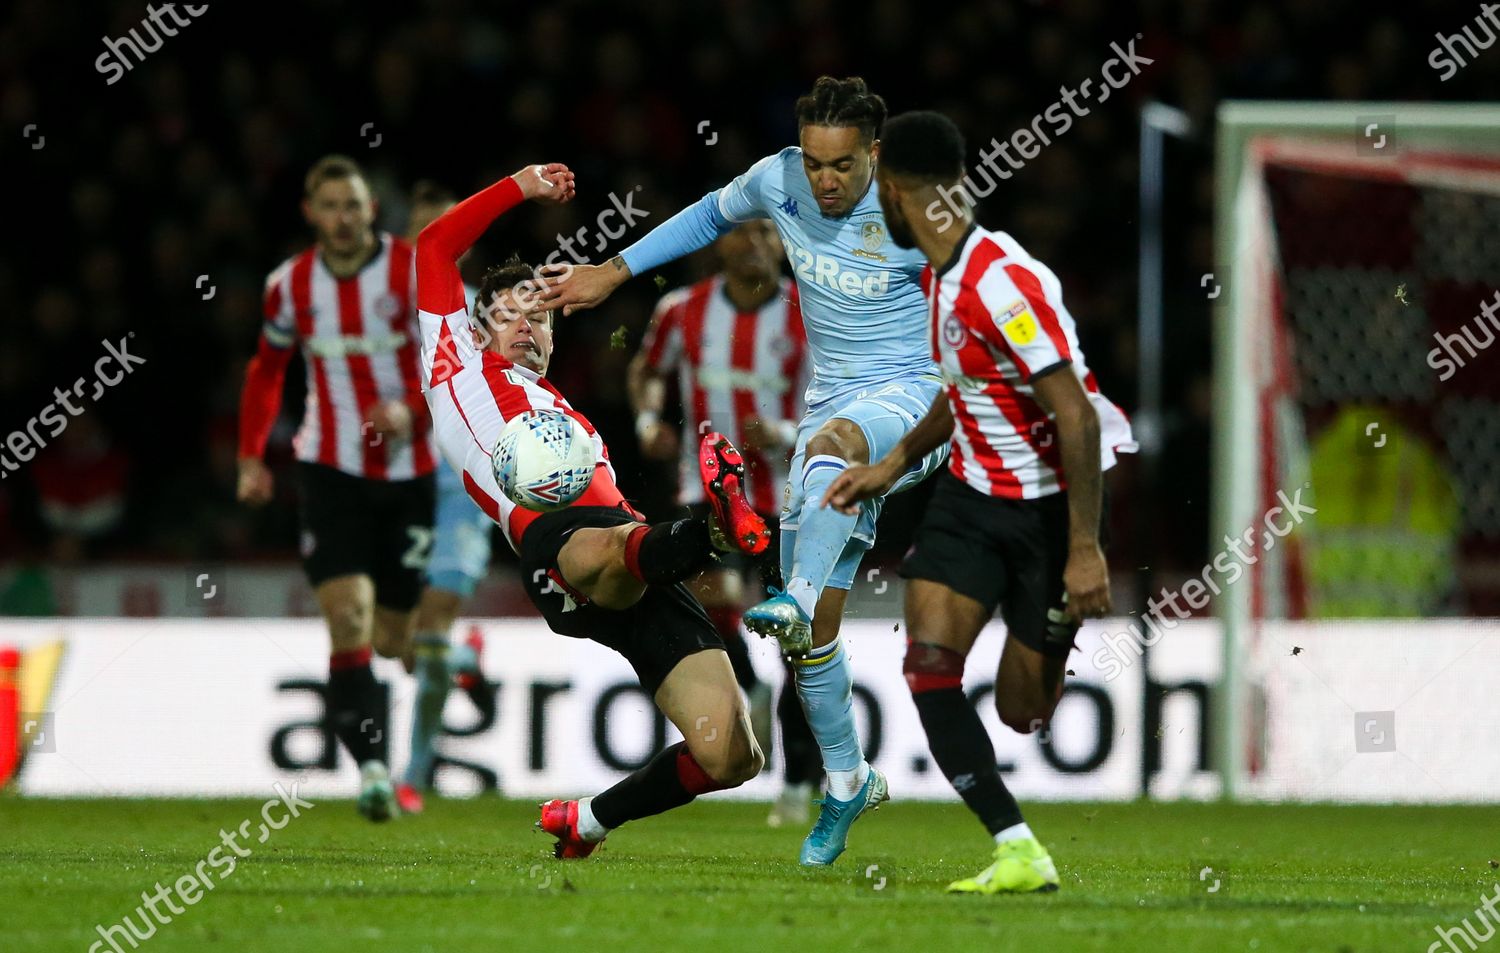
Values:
[(737, 764), (437, 610), (932, 667), (731, 762), (824, 446), (387, 643), (1023, 716), (753, 764), (838, 438), (349, 624)]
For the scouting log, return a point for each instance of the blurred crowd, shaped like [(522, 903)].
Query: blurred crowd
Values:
[(157, 204)]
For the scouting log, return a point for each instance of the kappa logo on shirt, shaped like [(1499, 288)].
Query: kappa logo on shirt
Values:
[(790, 208)]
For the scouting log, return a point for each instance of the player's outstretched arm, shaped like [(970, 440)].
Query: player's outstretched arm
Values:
[(578, 288), (859, 483), (442, 243), (1086, 575)]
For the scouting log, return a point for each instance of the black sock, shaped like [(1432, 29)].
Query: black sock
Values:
[(962, 749), (354, 710), (657, 787), (664, 553), (804, 762)]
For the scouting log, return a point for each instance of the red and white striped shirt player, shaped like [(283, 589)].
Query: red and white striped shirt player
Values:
[(358, 336), (733, 366), (472, 393), (998, 322)]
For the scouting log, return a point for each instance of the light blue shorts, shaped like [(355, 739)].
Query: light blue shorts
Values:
[(885, 413), (461, 537)]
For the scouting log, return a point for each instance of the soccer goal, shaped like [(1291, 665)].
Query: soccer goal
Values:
[(1357, 364)]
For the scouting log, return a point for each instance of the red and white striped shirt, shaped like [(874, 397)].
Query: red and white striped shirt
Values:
[(998, 322), (472, 393), (358, 337), (733, 366)]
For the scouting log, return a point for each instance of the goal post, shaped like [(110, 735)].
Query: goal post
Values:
[(1408, 164)]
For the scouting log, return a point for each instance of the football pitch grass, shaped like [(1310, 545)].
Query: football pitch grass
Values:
[(713, 878)]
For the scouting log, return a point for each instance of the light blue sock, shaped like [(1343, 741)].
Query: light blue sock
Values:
[(825, 684), (822, 533), (462, 658), (433, 678)]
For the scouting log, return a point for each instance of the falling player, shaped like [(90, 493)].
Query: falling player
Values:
[(364, 448), (1015, 521), (594, 570), (872, 380), (460, 558), (735, 340)]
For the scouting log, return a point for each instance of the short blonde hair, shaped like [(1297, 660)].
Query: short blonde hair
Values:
[(330, 168)]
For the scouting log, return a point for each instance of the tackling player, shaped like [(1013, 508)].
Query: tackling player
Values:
[(736, 342), (1015, 521), (460, 558), (873, 378), (364, 450), (594, 570)]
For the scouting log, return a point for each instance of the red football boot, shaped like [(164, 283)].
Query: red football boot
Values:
[(560, 819), (735, 521), (409, 799)]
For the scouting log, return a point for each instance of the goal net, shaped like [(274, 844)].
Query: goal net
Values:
[(1357, 456)]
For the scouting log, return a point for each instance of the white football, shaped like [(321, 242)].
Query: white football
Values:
[(543, 460)]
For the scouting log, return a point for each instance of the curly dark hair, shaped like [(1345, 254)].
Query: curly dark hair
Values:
[(842, 102)]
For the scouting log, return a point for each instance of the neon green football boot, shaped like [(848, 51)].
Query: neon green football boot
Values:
[(1021, 866)]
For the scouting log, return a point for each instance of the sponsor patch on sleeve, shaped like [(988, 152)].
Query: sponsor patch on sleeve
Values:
[(1020, 328)]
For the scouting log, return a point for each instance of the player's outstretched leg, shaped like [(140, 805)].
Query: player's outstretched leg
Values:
[(612, 568), (718, 751), (942, 626), (736, 525)]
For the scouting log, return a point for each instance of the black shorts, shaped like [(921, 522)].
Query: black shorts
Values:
[(1009, 553), (357, 526), (663, 628), (764, 569)]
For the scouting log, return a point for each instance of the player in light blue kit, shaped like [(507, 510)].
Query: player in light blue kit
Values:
[(873, 379)]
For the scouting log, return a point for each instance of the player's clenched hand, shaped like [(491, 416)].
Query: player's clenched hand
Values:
[(763, 435), (577, 287), (1086, 579), (856, 484), (550, 182), (255, 484), (391, 418), (659, 442)]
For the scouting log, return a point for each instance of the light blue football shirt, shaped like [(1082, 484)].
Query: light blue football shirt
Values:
[(862, 305)]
